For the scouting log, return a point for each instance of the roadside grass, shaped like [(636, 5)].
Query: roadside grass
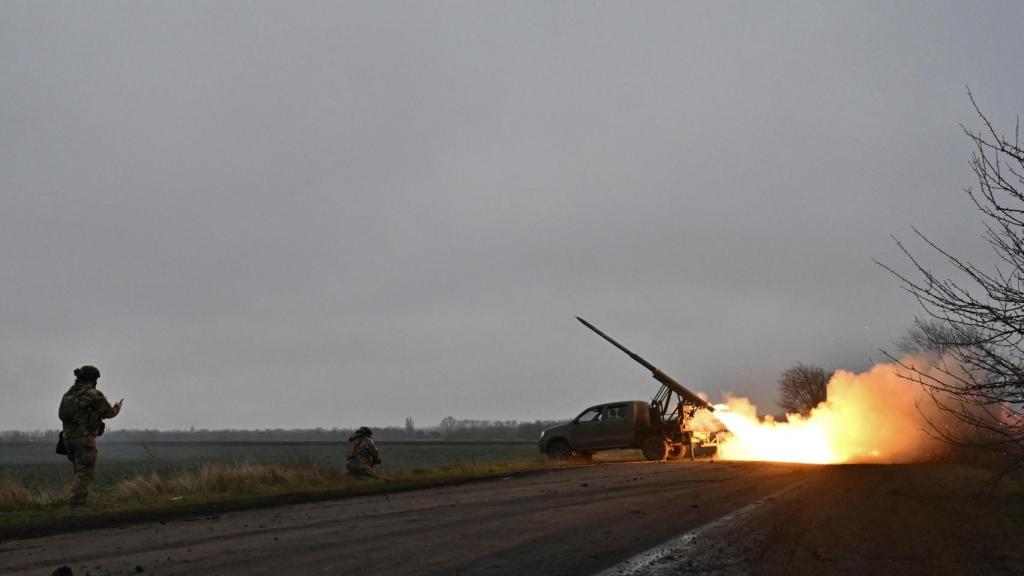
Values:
[(36, 466), (220, 487), (14, 495)]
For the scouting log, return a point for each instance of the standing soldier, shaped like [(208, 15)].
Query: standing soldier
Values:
[(362, 454), (82, 411)]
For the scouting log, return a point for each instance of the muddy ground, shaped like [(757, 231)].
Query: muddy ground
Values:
[(626, 518)]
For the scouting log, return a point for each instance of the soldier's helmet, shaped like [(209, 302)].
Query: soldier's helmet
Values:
[(364, 431), (87, 374)]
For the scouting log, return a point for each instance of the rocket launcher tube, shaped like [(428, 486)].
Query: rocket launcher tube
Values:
[(660, 376), (681, 390)]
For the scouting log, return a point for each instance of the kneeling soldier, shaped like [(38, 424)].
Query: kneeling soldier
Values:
[(362, 454)]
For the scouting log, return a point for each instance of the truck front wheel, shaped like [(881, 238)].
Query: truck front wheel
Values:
[(559, 450), (655, 448)]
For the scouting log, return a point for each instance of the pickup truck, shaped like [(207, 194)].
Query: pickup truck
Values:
[(617, 425)]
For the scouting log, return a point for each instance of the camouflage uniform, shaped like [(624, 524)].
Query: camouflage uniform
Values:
[(82, 411), (362, 454)]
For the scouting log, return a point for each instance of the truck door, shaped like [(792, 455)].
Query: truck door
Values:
[(617, 426), (587, 429)]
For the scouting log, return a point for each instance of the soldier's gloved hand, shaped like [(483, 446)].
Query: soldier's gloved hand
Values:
[(117, 407)]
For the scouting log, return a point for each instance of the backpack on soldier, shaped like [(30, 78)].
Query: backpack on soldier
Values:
[(68, 407), (68, 412)]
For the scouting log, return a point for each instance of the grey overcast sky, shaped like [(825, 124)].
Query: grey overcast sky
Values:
[(299, 214)]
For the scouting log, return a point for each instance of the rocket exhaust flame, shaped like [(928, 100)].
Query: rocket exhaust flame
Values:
[(875, 416), (797, 440)]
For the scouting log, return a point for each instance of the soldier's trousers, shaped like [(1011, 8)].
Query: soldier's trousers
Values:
[(82, 453)]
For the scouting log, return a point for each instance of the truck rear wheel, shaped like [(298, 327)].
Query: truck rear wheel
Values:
[(677, 451), (655, 448), (559, 450)]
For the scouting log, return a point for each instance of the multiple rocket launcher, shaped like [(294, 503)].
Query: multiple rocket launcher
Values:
[(668, 383), (674, 414)]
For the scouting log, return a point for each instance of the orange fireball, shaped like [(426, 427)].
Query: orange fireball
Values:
[(874, 416)]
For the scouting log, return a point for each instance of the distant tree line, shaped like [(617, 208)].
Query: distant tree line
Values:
[(449, 429)]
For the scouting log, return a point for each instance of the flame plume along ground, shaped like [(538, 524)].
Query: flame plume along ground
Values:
[(873, 416)]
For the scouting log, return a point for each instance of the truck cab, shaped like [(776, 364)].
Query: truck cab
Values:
[(631, 424)]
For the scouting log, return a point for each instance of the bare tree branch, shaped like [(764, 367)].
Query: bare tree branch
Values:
[(975, 326), (802, 387)]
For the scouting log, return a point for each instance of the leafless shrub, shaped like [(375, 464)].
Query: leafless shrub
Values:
[(978, 318), (802, 387), (932, 336)]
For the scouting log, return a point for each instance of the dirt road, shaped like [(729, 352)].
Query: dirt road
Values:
[(621, 518)]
